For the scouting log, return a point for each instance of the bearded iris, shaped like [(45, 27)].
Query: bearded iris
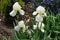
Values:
[(17, 7), (40, 11), (20, 25)]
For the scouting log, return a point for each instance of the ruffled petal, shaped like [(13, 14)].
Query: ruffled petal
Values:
[(40, 9), (16, 6)]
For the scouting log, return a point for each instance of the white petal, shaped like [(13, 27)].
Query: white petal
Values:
[(16, 28), (45, 14), (21, 23), (13, 13), (16, 6), (34, 13), (34, 27), (39, 18), (42, 24), (42, 30), (42, 27), (40, 9), (22, 12)]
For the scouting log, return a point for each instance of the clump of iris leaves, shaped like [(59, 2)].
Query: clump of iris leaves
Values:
[(52, 21)]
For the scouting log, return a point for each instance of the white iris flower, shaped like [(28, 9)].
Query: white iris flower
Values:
[(41, 13), (17, 7), (20, 25)]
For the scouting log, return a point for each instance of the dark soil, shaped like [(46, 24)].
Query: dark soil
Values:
[(4, 30)]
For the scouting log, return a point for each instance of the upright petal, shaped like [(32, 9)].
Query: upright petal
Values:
[(16, 6), (40, 9), (21, 23)]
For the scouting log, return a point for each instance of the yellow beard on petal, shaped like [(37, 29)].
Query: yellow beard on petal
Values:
[(41, 13)]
